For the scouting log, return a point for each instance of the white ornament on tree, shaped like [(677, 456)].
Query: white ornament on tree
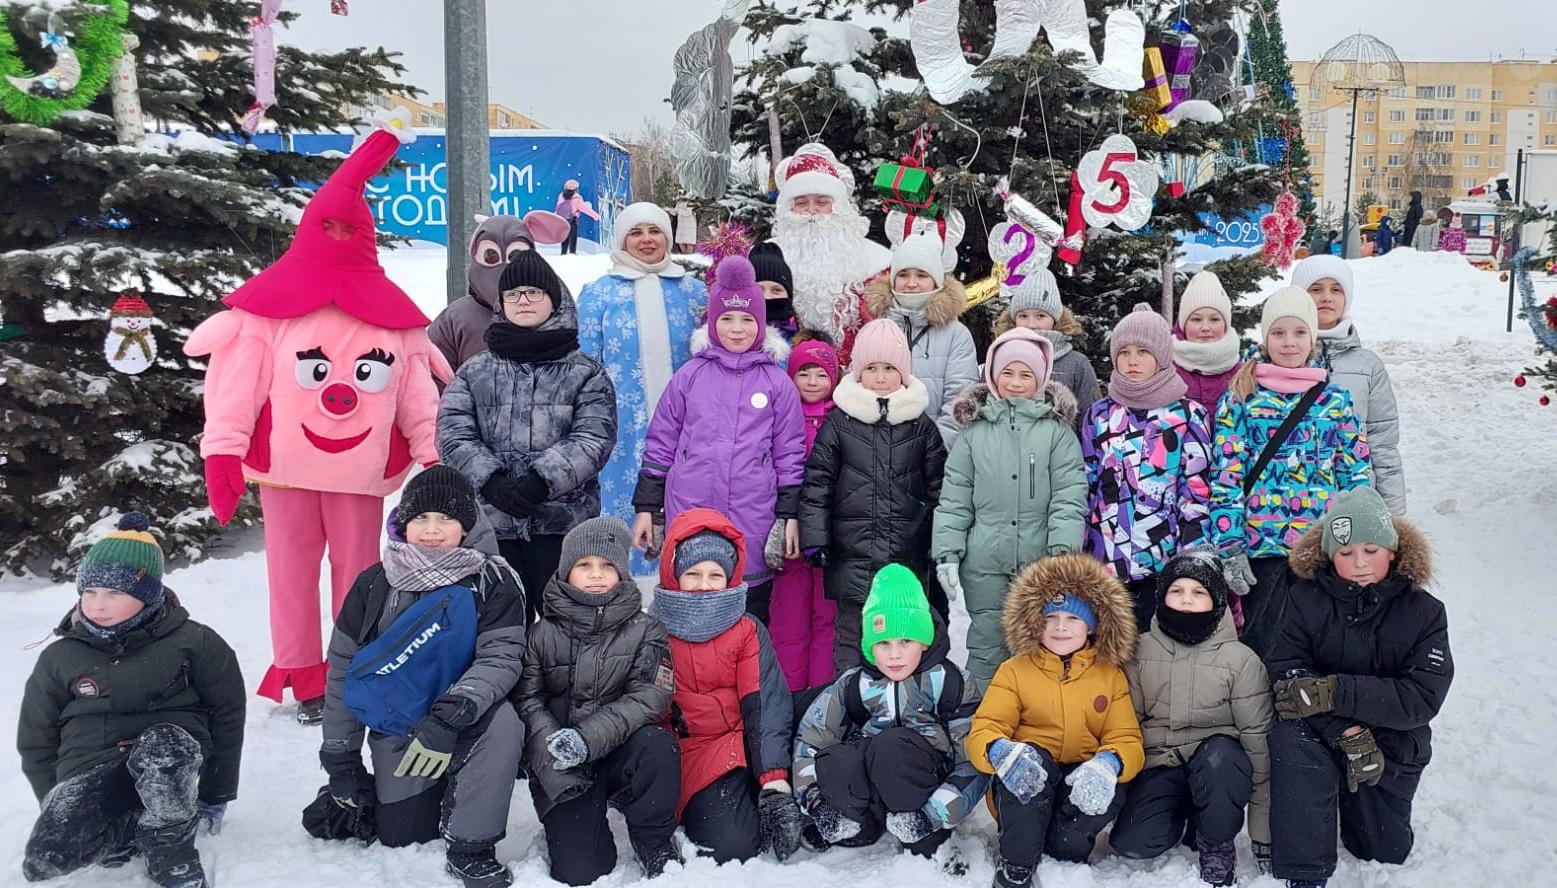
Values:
[(129, 121), (1117, 185), (129, 346)]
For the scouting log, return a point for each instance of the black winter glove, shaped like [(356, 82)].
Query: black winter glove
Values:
[(816, 556), (1364, 761), (350, 783), (781, 822), (504, 493), (532, 489)]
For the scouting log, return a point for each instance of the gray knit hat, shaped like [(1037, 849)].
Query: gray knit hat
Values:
[(1358, 516), (606, 537), (1038, 290), (705, 545)]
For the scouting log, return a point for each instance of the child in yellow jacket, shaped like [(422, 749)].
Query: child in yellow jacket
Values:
[(1058, 714)]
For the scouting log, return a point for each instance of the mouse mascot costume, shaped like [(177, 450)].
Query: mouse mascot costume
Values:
[(319, 388)]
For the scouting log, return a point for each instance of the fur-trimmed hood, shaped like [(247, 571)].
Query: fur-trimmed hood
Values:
[(1084, 577), (1413, 555), (859, 402), (773, 343), (1067, 324), (971, 403), (943, 308)]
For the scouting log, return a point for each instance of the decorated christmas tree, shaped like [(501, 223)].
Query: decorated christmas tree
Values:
[(1538, 309), (1029, 119), (116, 241), (1272, 74)]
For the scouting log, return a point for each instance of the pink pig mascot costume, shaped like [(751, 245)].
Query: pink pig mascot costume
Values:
[(319, 389)]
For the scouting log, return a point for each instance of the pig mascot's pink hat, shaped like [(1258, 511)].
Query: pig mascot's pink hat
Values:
[(333, 259)]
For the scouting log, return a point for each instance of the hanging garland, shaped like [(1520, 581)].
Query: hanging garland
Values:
[(40, 98)]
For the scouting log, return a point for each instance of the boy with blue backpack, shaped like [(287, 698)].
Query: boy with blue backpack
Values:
[(426, 649)]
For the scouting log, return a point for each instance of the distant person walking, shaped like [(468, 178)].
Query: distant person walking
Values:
[(569, 205)]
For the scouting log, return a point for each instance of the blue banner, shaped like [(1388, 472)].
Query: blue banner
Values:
[(527, 174), (1240, 232)]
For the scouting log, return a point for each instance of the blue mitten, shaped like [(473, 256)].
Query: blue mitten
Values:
[(1092, 784), (1018, 766)]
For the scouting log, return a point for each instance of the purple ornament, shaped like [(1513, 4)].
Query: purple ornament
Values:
[(1180, 49)]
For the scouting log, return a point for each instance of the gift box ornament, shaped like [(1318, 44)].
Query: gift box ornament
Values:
[(1180, 49), (906, 186), (1155, 73)]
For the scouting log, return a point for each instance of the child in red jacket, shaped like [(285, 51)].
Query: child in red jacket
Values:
[(731, 708)]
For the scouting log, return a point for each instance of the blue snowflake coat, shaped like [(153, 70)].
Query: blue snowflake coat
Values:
[(608, 332)]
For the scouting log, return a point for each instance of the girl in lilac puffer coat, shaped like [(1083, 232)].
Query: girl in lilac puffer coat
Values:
[(728, 433)]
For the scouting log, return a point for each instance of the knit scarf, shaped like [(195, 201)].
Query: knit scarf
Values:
[(118, 629), (914, 302), (421, 569), (698, 616), (528, 345), (1288, 380), (1209, 358), (1188, 628), (1339, 331), (653, 323), (1158, 390), (1060, 341)]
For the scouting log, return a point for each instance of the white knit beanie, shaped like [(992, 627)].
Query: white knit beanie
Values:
[(1039, 290), (1288, 302), (1321, 266), (638, 214), (921, 251), (1205, 291)]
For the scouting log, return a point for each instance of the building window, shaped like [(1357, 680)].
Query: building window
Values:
[(1397, 138), (1368, 162), (1497, 117), (1497, 95), (1369, 138), (1468, 182), (1493, 161), (1393, 160), (1397, 116), (1395, 182), (1398, 92), (1473, 138), (1549, 139), (1424, 114), (1551, 117), (1313, 119), (1367, 184), (1473, 92), (1472, 160), (1472, 116), (1394, 203), (1494, 139), (1445, 113), (1549, 96), (1444, 136), (1313, 93), (1369, 117)]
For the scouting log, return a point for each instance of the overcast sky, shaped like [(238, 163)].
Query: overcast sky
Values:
[(604, 65)]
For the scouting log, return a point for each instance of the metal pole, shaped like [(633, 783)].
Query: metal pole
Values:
[(467, 154), (1346, 208), (1519, 179)]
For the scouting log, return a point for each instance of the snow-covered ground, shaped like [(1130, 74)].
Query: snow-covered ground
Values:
[(1478, 457)]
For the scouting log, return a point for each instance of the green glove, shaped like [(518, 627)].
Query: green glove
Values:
[(1303, 697), (419, 761), (1364, 761)]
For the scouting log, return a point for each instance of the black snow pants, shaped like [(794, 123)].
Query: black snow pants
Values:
[(1308, 795), (1049, 823), (896, 771), (468, 806), (722, 819), (1208, 793), (570, 243), (643, 778), (535, 560), (1265, 604), (97, 816)]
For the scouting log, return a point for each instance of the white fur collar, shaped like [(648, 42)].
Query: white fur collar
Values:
[(773, 343), (861, 403)]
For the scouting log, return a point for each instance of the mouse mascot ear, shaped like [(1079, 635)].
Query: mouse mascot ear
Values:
[(546, 227), (333, 259)]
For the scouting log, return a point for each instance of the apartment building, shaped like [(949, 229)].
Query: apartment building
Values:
[(435, 114), (1451, 127)]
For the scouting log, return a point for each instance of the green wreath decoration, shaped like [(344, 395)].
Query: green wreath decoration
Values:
[(97, 46)]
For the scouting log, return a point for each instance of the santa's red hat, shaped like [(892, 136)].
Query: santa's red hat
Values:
[(333, 259), (814, 169)]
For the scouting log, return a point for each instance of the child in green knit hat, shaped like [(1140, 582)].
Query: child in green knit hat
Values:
[(131, 724), (881, 748)]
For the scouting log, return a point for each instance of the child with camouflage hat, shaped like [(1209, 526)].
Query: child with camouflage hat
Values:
[(131, 724), (1362, 666), (882, 748)]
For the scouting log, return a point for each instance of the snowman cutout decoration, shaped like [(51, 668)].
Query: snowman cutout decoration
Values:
[(129, 346)]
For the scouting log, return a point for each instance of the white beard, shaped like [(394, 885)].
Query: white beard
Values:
[(823, 253)]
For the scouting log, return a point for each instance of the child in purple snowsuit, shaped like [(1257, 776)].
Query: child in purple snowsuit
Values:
[(727, 433)]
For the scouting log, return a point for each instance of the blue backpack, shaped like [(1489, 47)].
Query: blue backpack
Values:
[(393, 681)]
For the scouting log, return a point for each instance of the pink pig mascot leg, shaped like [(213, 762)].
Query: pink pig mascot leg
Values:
[(319, 388)]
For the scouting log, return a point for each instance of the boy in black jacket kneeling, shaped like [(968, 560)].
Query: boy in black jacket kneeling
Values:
[(132, 723), (1361, 667)]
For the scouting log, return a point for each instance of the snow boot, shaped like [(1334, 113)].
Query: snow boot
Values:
[(171, 858), (1218, 861), (811, 839), (478, 869), (834, 827), (654, 858), (1011, 875), (310, 712)]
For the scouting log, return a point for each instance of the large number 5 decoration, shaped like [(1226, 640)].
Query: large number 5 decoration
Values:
[(937, 45), (1117, 185)]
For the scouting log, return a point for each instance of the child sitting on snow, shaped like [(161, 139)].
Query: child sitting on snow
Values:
[(802, 618), (131, 724), (1204, 703), (1035, 304), (882, 748), (443, 710), (1059, 712), (731, 709), (1362, 666), (872, 480), (597, 682), (727, 433)]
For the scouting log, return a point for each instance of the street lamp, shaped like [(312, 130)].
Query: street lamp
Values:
[(1359, 64)]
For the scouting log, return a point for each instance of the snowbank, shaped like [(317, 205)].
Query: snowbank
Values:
[(1477, 456), (420, 270)]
